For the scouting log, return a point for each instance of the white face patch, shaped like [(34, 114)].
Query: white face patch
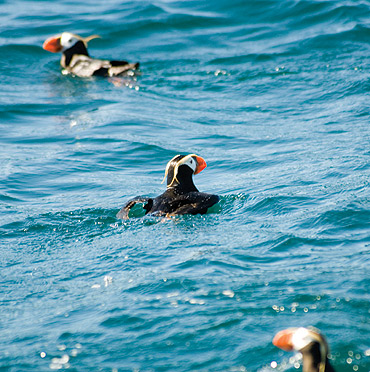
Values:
[(301, 338), (190, 162), (67, 40)]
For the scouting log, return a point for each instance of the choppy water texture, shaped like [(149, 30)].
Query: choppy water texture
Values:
[(275, 96)]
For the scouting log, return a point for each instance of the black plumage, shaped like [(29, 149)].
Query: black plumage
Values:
[(181, 196)]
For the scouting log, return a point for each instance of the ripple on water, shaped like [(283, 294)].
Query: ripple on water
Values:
[(273, 96)]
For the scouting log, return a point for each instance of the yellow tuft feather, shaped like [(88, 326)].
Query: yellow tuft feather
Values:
[(167, 168), (315, 334), (175, 171), (91, 37)]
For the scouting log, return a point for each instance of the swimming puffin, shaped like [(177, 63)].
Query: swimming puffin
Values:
[(310, 343), (181, 196), (76, 60)]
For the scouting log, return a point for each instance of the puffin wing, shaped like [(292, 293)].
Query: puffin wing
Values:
[(194, 203), (84, 66), (125, 210), (121, 67)]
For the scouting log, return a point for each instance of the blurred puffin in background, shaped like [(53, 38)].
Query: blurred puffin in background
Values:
[(181, 196), (76, 60), (310, 343)]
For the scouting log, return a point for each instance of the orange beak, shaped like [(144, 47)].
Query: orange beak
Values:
[(53, 44), (201, 164), (283, 339)]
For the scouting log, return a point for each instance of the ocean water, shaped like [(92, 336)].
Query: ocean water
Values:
[(275, 96)]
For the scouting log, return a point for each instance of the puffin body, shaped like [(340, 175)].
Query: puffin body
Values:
[(181, 196), (76, 60), (310, 343)]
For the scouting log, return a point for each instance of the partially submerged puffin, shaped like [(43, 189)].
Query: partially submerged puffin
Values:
[(181, 196), (310, 343), (76, 60)]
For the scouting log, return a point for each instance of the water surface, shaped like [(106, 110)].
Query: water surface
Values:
[(274, 95)]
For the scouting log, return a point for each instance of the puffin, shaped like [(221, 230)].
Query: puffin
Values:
[(77, 61), (310, 343), (181, 196)]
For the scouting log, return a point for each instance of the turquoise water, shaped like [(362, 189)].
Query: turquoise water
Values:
[(275, 96)]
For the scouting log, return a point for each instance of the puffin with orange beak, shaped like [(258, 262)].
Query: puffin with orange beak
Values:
[(76, 60), (310, 343), (181, 196)]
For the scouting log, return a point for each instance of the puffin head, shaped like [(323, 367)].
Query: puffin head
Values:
[(182, 167), (304, 340), (65, 41)]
